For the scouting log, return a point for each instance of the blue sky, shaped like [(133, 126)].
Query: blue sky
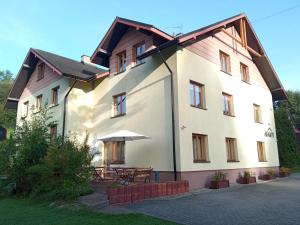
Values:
[(72, 28)]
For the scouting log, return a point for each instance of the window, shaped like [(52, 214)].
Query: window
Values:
[(200, 148), (197, 95), (245, 73), (227, 104), (38, 105), (257, 113), (261, 151), (120, 104), (231, 150), (41, 71), (115, 152), (54, 96), (225, 62), (25, 109), (53, 132), (138, 50), (121, 62)]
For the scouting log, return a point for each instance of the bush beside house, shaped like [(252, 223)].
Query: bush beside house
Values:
[(35, 166)]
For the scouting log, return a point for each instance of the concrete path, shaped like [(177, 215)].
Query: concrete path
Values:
[(276, 202)]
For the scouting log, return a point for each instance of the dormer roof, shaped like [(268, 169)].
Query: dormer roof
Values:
[(115, 33)]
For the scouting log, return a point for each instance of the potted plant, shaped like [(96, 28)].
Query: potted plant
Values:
[(248, 177), (284, 172), (269, 175), (219, 180)]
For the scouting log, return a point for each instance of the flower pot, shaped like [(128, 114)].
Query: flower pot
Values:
[(219, 184), (284, 174), (267, 177), (248, 180)]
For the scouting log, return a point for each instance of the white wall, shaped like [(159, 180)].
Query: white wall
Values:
[(217, 126)]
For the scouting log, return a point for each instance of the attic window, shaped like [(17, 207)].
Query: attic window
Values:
[(121, 62), (138, 50), (41, 71)]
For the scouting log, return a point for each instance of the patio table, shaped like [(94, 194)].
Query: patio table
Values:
[(124, 175)]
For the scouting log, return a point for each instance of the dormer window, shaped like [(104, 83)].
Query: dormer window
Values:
[(121, 62), (41, 71), (138, 50)]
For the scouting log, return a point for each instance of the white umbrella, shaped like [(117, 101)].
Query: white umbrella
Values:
[(122, 135)]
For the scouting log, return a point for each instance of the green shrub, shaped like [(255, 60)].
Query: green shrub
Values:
[(31, 141), (65, 171), (219, 176), (34, 166), (7, 154)]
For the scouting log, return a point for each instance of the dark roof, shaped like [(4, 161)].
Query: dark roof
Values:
[(116, 31), (61, 65), (211, 25), (70, 67)]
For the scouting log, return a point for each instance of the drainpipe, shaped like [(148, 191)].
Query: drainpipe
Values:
[(173, 116), (65, 108)]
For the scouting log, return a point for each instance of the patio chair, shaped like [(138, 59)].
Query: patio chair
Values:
[(97, 174)]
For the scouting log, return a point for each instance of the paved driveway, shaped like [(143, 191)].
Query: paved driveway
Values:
[(276, 202)]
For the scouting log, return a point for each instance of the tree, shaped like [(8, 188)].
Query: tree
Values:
[(7, 117), (294, 99), (289, 155)]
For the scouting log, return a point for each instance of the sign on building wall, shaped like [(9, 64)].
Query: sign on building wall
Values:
[(269, 133)]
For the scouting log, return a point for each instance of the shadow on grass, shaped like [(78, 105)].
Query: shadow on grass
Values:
[(17, 211)]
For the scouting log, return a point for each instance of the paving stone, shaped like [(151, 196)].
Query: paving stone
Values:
[(276, 202)]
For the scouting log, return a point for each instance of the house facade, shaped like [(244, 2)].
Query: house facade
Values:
[(204, 98)]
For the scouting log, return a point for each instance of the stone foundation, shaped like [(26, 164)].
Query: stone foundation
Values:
[(201, 179)]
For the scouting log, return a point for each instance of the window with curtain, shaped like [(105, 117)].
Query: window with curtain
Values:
[(119, 104), (121, 62), (227, 104), (225, 62), (257, 113), (261, 151), (54, 96), (115, 152), (197, 95), (231, 150), (138, 50), (244, 73), (38, 104), (200, 149)]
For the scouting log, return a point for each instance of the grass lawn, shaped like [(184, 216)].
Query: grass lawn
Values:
[(21, 211)]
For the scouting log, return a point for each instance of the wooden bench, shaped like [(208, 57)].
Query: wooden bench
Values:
[(142, 174)]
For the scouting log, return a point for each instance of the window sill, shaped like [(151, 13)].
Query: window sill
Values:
[(225, 114), (228, 73), (198, 107), (233, 161), (263, 161), (247, 82), (201, 161), (116, 116), (137, 65), (117, 162), (118, 73), (258, 122), (52, 106)]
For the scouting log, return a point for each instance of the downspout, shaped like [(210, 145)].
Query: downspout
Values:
[(65, 108), (173, 116)]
